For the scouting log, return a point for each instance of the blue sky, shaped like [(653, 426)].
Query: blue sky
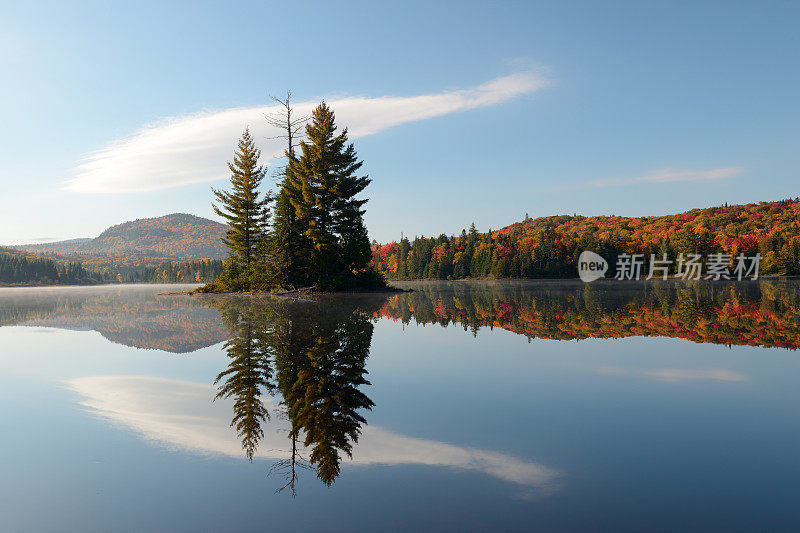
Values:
[(626, 108)]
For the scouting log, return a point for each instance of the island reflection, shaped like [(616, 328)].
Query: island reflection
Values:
[(313, 355)]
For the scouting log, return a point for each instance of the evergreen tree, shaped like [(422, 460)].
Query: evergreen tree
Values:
[(402, 258), (469, 251), (245, 210), (322, 186), (284, 247)]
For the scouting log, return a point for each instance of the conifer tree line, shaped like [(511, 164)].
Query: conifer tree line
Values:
[(196, 271), (311, 233), (16, 268)]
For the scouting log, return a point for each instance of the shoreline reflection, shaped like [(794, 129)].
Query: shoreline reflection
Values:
[(764, 313)]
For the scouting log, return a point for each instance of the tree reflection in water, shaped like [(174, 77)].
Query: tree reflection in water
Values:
[(313, 355)]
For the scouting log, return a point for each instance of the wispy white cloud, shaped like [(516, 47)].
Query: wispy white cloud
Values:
[(181, 415), (194, 148), (672, 375), (672, 175)]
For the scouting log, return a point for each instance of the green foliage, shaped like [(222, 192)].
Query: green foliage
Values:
[(245, 210), (318, 237), (288, 247), (322, 186)]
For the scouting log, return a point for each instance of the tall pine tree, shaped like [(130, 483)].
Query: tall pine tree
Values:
[(322, 186), (246, 211)]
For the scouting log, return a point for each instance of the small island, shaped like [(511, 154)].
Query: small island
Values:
[(310, 236)]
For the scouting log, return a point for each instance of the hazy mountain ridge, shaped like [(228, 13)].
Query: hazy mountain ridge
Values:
[(177, 236)]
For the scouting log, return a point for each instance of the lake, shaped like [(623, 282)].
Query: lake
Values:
[(551, 405)]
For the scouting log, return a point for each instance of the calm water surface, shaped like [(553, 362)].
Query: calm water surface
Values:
[(548, 406)]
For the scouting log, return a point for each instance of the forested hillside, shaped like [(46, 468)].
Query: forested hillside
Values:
[(20, 268), (549, 246), (170, 249), (176, 236), (134, 251)]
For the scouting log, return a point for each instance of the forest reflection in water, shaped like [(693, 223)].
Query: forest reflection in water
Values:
[(764, 313), (497, 404), (311, 354)]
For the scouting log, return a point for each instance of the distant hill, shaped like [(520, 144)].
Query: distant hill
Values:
[(177, 236)]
